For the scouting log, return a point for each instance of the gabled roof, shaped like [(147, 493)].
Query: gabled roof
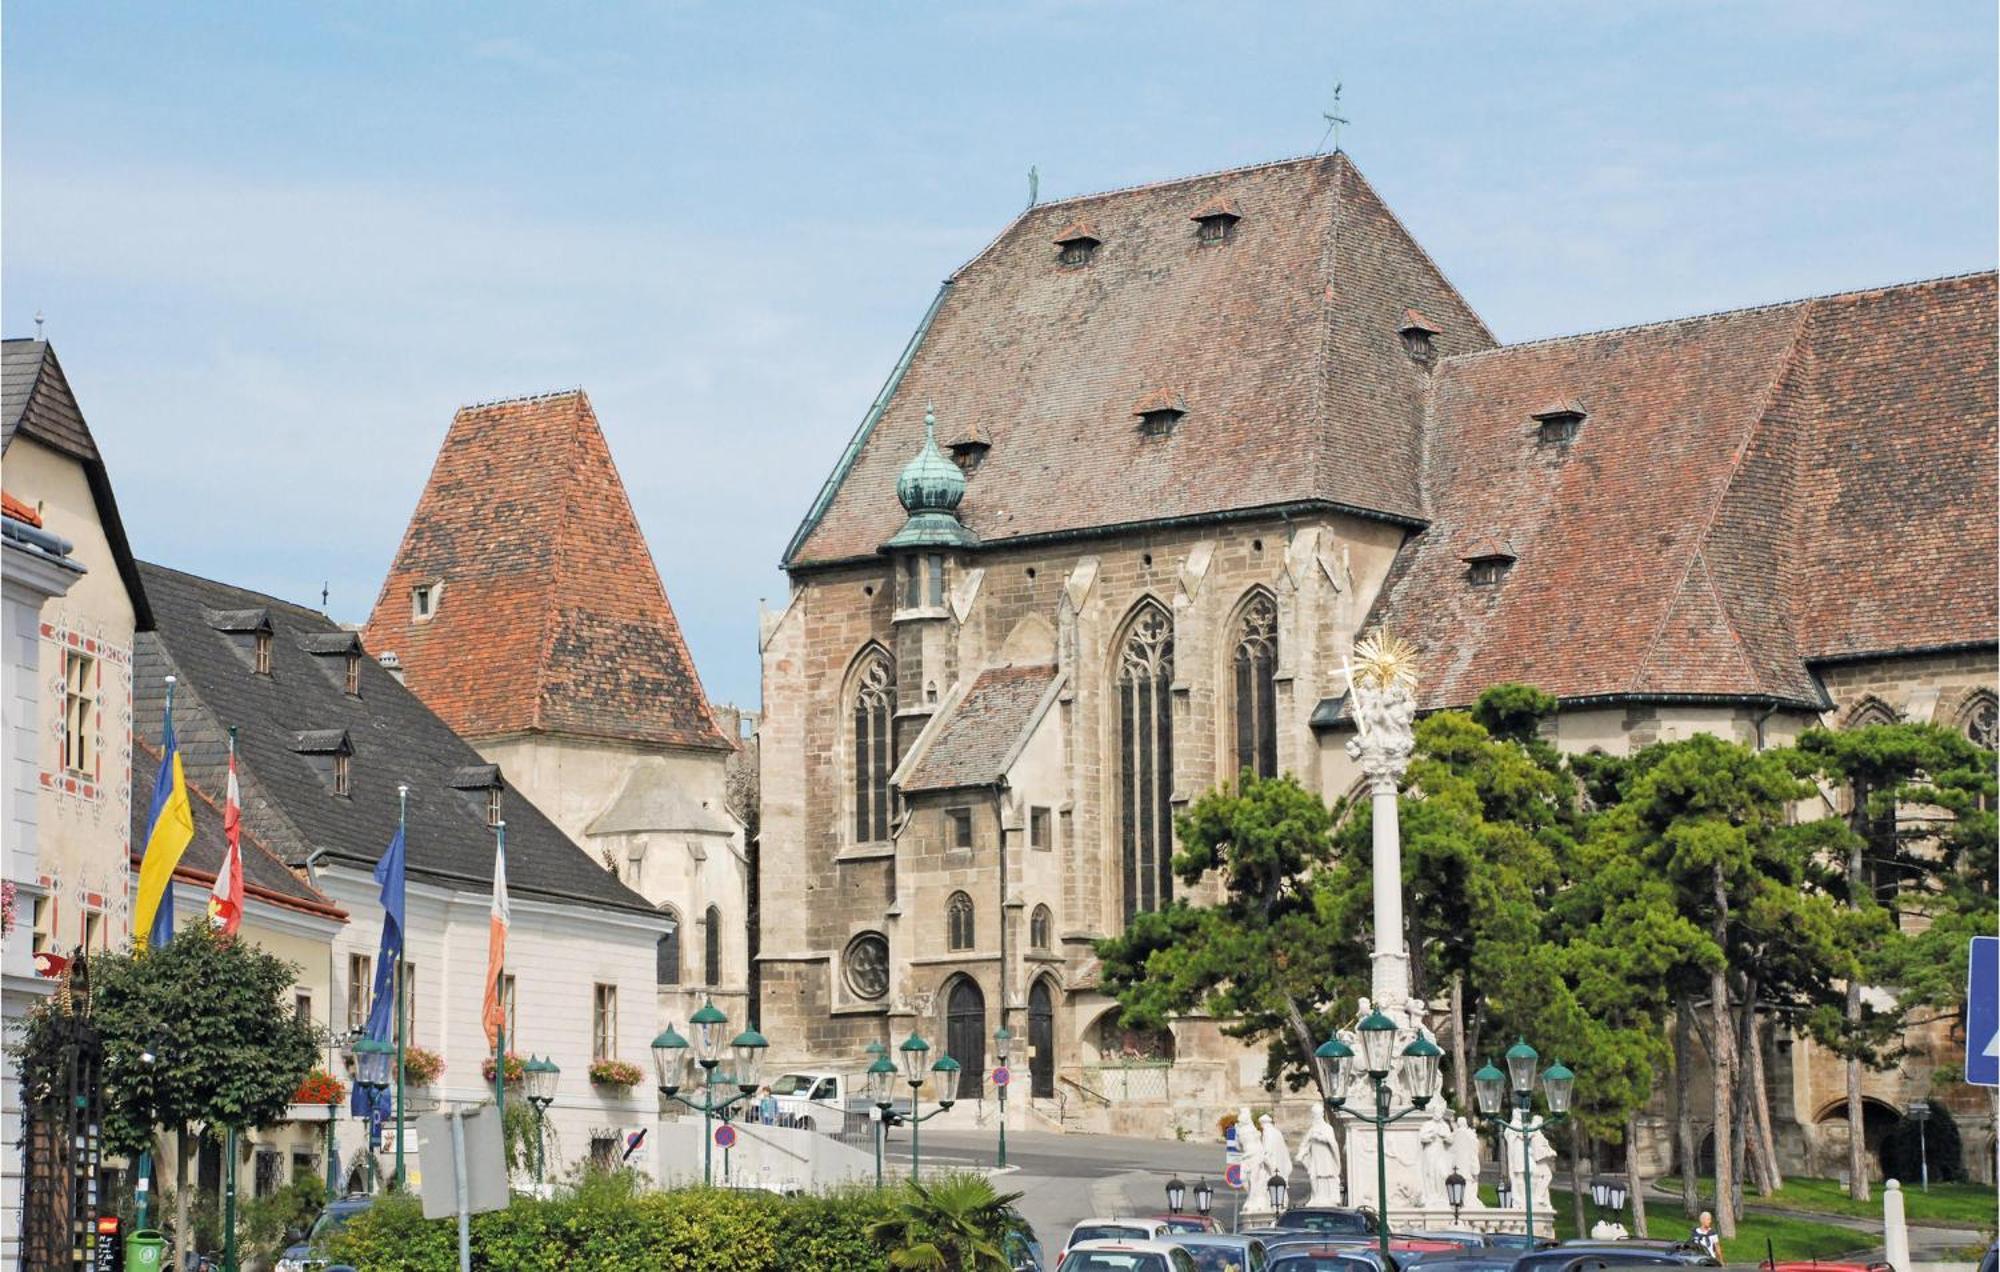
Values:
[(1754, 491), (551, 617), (1287, 345), (393, 738), (36, 402), (983, 731)]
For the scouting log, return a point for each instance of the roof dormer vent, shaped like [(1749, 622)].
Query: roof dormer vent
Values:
[(1487, 561), (1159, 411), (1077, 243), (1419, 336), (1215, 221), (968, 449), (1558, 423)]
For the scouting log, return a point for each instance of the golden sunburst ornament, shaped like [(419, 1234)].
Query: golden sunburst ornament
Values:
[(1383, 660)]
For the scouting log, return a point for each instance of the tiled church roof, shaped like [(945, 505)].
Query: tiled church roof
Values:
[(1282, 341), (550, 615), (1749, 492), (973, 745)]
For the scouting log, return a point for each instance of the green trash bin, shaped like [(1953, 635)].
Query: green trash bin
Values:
[(146, 1251)]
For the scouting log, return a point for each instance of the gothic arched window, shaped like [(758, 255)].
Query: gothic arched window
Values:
[(1980, 719), (668, 951), (1038, 928), (1145, 674), (1870, 710), (711, 954), (874, 749), (958, 920), (1254, 669)]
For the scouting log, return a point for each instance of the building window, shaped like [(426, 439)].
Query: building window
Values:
[(507, 1004), (44, 925), (268, 1178), (93, 931), (423, 602), (603, 1151), (354, 675), (604, 1023), (1215, 229), (1255, 665), (304, 1165), (1040, 826), (79, 711), (913, 584), (409, 972), (340, 773), (874, 750), (492, 806), (1487, 572), (1980, 718), (667, 953), (302, 1006), (711, 947), (865, 965), (958, 921), (260, 646), (961, 828), (1038, 928), (1146, 759), (360, 975), (934, 568), (1558, 423)]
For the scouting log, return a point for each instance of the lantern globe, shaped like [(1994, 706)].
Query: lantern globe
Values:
[(1420, 1069), (1506, 1191), (1176, 1194), (748, 1049), (1615, 1194), (708, 1022), (372, 1062), (914, 1050), (1378, 1044), (1204, 1196), (1558, 1085), (1454, 1189), (1521, 1060), (540, 1076), (1280, 1192), (1600, 1192), (1003, 1043), (947, 1070), (671, 1056), (1334, 1058), (1490, 1086), (881, 1075)]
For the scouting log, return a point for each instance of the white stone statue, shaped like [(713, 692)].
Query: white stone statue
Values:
[(1465, 1160), (1434, 1162), (1320, 1152), (1277, 1159), (1544, 1155), (1250, 1156)]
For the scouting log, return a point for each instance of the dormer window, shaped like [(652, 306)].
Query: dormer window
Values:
[(424, 601), (481, 785), (325, 647), (1215, 221), (1159, 411), (353, 675), (330, 754), (968, 449), (1419, 336), (260, 655), (1488, 562), (493, 806), (1077, 243), (249, 633), (1558, 423), (341, 778)]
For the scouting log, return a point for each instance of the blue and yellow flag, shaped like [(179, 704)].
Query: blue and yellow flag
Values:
[(168, 833)]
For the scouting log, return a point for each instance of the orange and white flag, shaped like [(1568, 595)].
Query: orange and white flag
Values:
[(494, 1014), (225, 899)]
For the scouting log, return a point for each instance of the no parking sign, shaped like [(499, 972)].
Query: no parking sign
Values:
[(1232, 1175), (725, 1136)]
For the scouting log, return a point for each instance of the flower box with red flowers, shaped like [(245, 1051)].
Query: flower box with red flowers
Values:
[(515, 1069), (615, 1073), (422, 1066), (320, 1087)]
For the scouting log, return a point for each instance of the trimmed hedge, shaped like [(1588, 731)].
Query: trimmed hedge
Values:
[(607, 1222)]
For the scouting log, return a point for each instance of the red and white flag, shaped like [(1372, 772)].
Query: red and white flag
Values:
[(494, 1014), (225, 899)]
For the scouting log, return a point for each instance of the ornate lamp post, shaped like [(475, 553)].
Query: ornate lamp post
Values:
[(1280, 1192), (1204, 1198), (1490, 1086), (914, 1050), (540, 1078), (1378, 1059), (881, 1089), (1454, 1192), (1003, 1043), (673, 1061), (1176, 1195), (373, 1060)]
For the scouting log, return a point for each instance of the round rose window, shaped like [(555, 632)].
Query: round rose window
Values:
[(867, 965)]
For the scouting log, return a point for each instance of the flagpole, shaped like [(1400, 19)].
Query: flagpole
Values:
[(144, 1202), (402, 821), (500, 989)]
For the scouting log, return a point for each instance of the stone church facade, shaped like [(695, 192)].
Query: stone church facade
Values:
[(1152, 462)]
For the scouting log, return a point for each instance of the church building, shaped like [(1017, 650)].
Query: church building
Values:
[(1155, 458)]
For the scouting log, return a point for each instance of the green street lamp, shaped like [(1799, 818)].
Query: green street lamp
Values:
[(914, 1050), (1003, 1043), (1378, 1059), (675, 1057), (881, 1089), (1490, 1086), (374, 1060), (539, 1076)]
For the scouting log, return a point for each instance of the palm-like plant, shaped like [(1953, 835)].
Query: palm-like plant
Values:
[(957, 1223)]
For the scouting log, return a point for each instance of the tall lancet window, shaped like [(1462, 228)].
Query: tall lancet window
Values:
[(1254, 666), (1145, 674), (874, 752)]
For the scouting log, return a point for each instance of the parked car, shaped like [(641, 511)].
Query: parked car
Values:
[(1366, 1250), (1224, 1251), (308, 1253), (1467, 1260), (1127, 1256), (1336, 1220), (1189, 1223), (1131, 1228), (1306, 1256), (1587, 1256), (1517, 1241)]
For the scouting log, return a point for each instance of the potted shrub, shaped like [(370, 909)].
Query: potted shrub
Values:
[(421, 1066), (320, 1087), (515, 1071), (621, 1074)]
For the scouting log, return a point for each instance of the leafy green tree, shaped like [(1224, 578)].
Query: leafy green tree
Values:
[(1268, 957), (955, 1223), (199, 1031), (1918, 836)]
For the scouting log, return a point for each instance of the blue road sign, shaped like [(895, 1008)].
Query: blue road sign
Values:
[(725, 1135), (1001, 1077), (1982, 1013)]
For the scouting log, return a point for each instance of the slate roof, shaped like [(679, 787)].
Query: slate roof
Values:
[(36, 402), (551, 616), (1751, 492), (1283, 343), (394, 737), (264, 876), (981, 734)]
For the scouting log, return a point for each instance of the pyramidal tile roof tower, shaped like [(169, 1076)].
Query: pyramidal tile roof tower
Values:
[(523, 599)]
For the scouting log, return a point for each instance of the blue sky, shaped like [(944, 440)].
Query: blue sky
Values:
[(279, 244)]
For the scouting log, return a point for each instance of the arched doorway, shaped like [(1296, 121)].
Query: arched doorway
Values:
[(965, 1035), (1041, 1041)]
